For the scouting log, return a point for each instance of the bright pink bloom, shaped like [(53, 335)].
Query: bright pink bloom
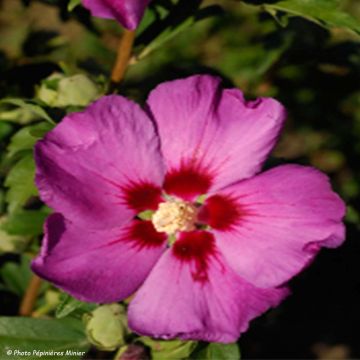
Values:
[(127, 12), (229, 257)]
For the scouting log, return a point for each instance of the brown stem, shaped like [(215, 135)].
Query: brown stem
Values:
[(123, 57), (29, 299)]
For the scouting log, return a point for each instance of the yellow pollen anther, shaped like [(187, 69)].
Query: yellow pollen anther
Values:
[(173, 216)]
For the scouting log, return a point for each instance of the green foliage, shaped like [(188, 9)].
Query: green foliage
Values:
[(27, 334), (25, 222), (163, 23), (10, 243), (25, 111), (59, 90), (323, 12), (70, 306), (72, 4), (26, 138), (16, 276), (217, 351), (171, 349), (20, 182)]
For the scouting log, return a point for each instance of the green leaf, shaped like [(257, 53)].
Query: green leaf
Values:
[(20, 182), (25, 222), (217, 351), (10, 243), (173, 21), (73, 4), (5, 130), (29, 112), (69, 305), (16, 276), (26, 137), (326, 13), (51, 335), (169, 349), (49, 303)]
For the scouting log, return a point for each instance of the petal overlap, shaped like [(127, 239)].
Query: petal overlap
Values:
[(98, 265), (286, 215)]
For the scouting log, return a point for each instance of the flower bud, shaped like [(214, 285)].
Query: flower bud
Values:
[(106, 326), (59, 90), (169, 349)]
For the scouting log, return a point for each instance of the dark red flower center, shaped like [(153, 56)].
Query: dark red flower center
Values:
[(188, 181), (220, 212), (142, 196), (197, 248), (180, 218)]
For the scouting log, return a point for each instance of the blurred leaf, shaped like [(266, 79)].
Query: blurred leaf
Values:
[(10, 243), (178, 18), (217, 351), (169, 349), (68, 305), (32, 111), (25, 222), (16, 276), (27, 334), (17, 115), (5, 130), (323, 12), (26, 137), (166, 36), (2, 201), (328, 160), (20, 181), (50, 302), (72, 4), (352, 216)]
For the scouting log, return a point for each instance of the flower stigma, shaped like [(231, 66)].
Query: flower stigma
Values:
[(173, 216)]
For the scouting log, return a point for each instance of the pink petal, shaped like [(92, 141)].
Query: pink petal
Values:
[(98, 265), (211, 137), (127, 12), (101, 166), (192, 294), (99, 8), (285, 216)]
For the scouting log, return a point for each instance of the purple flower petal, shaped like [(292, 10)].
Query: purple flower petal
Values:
[(192, 294), (211, 137), (284, 216), (98, 265), (101, 166), (127, 12)]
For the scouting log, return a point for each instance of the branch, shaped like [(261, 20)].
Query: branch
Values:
[(29, 299), (123, 57)]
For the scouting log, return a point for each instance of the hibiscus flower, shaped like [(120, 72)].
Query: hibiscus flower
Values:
[(167, 203), (126, 12)]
